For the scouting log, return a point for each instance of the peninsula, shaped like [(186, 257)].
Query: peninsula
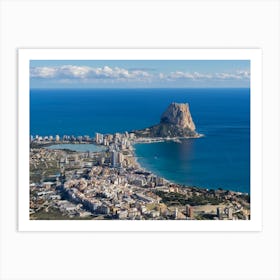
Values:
[(176, 121)]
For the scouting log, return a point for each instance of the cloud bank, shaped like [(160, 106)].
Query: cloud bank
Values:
[(86, 72), (95, 75), (238, 75)]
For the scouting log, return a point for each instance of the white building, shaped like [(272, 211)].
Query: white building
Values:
[(98, 138)]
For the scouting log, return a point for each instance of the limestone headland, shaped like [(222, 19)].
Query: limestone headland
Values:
[(175, 122)]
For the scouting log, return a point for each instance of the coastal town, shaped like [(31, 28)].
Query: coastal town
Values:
[(110, 184)]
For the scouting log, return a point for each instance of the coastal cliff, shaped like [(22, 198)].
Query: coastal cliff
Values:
[(176, 121)]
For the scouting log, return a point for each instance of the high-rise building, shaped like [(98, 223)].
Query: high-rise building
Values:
[(110, 138), (230, 212), (176, 214), (114, 158), (189, 211), (57, 138), (101, 160), (117, 135), (98, 138), (159, 181), (120, 157), (220, 213), (117, 158)]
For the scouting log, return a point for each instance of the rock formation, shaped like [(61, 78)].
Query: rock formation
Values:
[(178, 114), (176, 121)]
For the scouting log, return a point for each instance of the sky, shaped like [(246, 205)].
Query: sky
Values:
[(139, 73)]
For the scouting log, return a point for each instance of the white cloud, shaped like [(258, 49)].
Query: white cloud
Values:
[(69, 71), (238, 75), (188, 75), (244, 73), (106, 74), (43, 72), (86, 72)]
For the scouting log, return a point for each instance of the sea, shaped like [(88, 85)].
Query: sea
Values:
[(220, 159)]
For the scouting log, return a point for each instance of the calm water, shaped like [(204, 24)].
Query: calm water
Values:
[(220, 159), (77, 147)]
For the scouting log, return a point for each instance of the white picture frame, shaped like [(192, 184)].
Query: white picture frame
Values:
[(106, 255), (253, 55)]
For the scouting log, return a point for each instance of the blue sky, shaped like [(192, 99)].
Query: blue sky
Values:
[(139, 73)]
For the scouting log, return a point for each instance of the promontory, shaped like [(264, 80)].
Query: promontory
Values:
[(176, 121)]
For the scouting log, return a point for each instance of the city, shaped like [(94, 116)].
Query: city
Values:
[(110, 184)]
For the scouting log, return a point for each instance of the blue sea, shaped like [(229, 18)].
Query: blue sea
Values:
[(221, 159)]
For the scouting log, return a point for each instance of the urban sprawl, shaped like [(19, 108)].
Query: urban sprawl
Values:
[(110, 184)]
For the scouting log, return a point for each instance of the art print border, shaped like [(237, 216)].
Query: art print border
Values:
[(255, 57)]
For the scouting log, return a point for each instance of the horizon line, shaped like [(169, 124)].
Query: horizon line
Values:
[(75, 88)]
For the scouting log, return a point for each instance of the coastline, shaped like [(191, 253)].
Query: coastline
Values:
[(112, 184), (142, 140), (148, 140)]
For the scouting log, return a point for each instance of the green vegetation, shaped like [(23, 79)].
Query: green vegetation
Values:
[(205, 216), (41, 172), (178, 199), (245, 197), (54, 214), (36, 145), (240, 215)]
